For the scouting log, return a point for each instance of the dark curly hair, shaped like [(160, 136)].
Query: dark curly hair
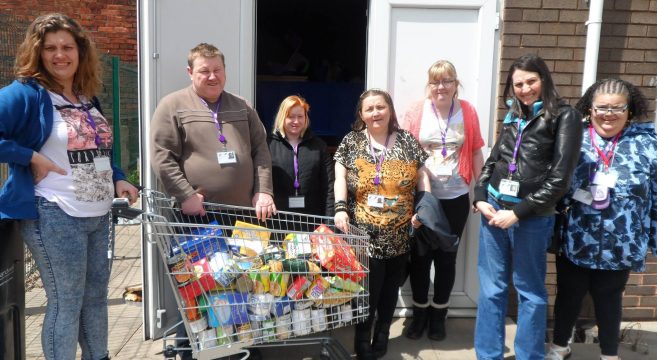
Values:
[(636, 102)]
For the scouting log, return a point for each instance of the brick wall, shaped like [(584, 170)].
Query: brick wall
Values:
[(555, 30), (112, 23)]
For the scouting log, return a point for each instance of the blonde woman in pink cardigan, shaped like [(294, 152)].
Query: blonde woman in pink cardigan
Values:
[(448, 129)]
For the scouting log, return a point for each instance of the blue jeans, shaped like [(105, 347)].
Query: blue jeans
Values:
[(71, 255), (519, 251)]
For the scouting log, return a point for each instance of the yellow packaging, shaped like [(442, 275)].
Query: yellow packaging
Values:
[(278, 283), (317, 288), (253, 239), (297, 246), (260, 279)]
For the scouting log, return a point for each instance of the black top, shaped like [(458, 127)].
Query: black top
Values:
[(316, 174)]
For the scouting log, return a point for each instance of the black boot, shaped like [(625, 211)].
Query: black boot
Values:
[(380, 340), (416, 328), (362, 345), (437, 323)]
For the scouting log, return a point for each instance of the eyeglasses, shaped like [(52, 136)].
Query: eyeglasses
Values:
[(600, 111), (444, 83)]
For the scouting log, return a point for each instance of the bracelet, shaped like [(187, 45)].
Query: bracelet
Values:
[(339, 206)]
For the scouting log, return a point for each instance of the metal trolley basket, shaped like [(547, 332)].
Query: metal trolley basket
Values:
[(240, 283)]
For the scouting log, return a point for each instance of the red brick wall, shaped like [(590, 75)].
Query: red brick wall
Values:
[(112, 23), (555, 30)]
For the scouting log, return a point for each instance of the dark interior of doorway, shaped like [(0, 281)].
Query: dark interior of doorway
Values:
[(315, 49)]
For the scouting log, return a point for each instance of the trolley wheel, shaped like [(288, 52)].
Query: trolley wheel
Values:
[(255, 354)]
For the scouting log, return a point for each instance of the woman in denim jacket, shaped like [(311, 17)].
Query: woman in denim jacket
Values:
[(612, 217)]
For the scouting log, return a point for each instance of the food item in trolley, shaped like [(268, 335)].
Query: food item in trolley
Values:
[(244, 332), (269, 330), (253, 237), (300, 266), (260, 278), (180, 267), (317, 288), (197, 322), (333, 296), (225, 334), (284, 326), (225, 308), (318, 319), (298, 286), (244, 284), (202, 279), (260, 304), (301, 321), (272, 253), (207, 339), (201, 242), (335, 255), (297, 246), (278, 283), (281, 306), (344, 284), (257, 325), (224, 268)]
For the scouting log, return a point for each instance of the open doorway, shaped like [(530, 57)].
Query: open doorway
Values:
[(315, 49)]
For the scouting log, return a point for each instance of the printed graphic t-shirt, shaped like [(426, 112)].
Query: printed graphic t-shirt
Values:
[(84, 153)]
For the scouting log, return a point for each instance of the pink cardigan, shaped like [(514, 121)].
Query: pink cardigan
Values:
[(472, 140)]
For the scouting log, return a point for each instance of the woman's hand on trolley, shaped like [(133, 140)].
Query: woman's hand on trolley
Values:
[(342, 221), (126, 190), (264, 206)]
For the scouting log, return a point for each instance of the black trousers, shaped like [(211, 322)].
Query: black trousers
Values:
[(457, 211), (384, 278), (606, 288)]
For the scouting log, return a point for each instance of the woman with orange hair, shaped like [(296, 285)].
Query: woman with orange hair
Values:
[(300, 162)]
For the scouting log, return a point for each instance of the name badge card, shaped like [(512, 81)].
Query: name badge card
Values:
[(295, 202), (443, 170), (374, 200), (583, 196), (102, 164), (226, 157), (606, 179), (509, 187)]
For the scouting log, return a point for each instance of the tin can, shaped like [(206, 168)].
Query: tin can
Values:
[(283, 326), (244, 332), (318, 319), (268, 330), (301, 322), (180, 267)]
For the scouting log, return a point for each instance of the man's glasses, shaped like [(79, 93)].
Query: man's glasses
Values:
[(444, 83), (600, 111)]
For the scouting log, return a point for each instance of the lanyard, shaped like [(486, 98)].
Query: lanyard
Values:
[(89, 119), (296, 167), (382, 157), (608, 155), (522, 124), (217, 124), (443, 133)]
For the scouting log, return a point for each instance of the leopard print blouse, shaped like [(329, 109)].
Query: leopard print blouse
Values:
[(388, 226)]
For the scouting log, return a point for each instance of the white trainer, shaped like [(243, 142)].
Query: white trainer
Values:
[(557, 352)]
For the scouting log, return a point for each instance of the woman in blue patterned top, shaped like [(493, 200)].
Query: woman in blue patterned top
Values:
[(612, 217)]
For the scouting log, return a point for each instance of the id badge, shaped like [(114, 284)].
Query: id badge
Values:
[(374, 200), (226, 157), (509, 187), (599, 192), (583, 196), (295, 202), (102, 163), (606, 179), (443, 170)]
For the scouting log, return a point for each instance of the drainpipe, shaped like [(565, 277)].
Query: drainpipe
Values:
[(593, 25)]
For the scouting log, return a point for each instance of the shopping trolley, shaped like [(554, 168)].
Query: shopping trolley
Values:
[(241, 284)]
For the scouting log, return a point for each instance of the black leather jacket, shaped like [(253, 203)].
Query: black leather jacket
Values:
[(546, 159)]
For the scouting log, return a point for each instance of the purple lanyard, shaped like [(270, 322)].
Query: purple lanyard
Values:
[(382, 157), (522, 124), (443, 133), (217, 124), (90, 119), (296, 167)]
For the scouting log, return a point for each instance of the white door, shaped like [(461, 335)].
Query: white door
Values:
[(404, 38), (168, 29)]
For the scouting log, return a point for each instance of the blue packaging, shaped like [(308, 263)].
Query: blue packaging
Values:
[(282, 306), (228, 308), (202, 242)]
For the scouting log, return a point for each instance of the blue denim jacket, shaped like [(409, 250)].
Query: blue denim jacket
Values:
[(619, 236)]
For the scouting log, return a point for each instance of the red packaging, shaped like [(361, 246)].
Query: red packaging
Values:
[(335, 254), (202, 279), (298, 287)]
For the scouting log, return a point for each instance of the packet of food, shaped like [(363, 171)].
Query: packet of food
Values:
[(254, 237), (297, 288), (317, 288), (260, 279), (278, 283), (344, 284), (297, 246)]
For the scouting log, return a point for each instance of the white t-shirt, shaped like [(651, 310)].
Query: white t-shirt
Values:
[(87, 189), (446, 183)]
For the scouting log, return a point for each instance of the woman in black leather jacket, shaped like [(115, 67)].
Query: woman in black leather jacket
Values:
[(307, 187), (529, 169)]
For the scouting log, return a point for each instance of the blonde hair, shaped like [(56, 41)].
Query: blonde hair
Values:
[(88, 76), (284, 111), (442, 68), (204, 50)]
